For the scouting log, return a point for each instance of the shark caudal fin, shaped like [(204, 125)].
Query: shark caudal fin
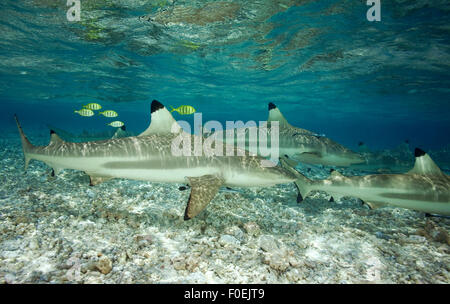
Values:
[(26, 145), (162, 122), (303, 183)]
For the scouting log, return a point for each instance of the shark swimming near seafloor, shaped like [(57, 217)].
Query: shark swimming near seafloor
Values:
[(149, 157), (424, 188), (299, 145)]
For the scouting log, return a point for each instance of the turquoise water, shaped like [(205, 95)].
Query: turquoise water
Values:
[(326, 67)]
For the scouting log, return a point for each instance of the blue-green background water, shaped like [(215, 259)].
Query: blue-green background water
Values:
[(325, 66)]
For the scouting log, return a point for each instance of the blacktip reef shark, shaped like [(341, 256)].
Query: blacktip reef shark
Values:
[(300, 145), (307, 147), (424, 188), (149, 157)]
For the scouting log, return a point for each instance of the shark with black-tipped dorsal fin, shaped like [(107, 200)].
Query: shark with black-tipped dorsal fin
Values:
[(424, 188), (149, 157), (298, 145), (308, 147)]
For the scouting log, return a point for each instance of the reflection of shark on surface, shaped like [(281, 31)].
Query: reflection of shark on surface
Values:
[(424, 188), (149, 157), (301, 145), (87, 136), (399, 159)]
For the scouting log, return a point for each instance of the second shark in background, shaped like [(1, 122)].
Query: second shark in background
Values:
[(301, 145)]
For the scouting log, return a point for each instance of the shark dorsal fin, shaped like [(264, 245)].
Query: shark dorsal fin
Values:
[(275, 115), (424, 164), (54, 138), (335, 174), (161, 122)]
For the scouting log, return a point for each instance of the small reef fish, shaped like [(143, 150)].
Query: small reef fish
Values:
[(116, 124), (109, 113), (84, 112), (183, 110), (93, 106)]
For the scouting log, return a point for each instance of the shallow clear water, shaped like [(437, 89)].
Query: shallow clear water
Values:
[(327, 67)]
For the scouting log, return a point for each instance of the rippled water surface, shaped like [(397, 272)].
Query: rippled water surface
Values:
[(326, 67)]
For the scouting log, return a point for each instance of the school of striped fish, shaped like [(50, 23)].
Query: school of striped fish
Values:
[(88, 111)]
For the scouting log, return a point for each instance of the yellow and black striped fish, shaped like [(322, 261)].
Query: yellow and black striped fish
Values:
[(84, 112), (109, 113), (116, 124), (184, 110), (93, 106)]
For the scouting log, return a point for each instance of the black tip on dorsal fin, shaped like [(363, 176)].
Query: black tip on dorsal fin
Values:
[(332, 170), (419, 152), (272, 106), (156, 105), (123, 128), (52, 132), (360, 143)]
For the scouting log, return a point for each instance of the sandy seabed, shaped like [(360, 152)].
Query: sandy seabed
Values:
[(61, 230)]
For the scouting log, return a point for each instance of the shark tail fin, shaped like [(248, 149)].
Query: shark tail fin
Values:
[(302, 182), (26, 144)]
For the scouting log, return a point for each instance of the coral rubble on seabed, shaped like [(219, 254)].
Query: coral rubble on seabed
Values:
[(58, 230)]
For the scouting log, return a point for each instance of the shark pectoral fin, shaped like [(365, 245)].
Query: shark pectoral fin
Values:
[(299, 193), (302, 183), (95, 180), (203, 190), (374, 205)]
